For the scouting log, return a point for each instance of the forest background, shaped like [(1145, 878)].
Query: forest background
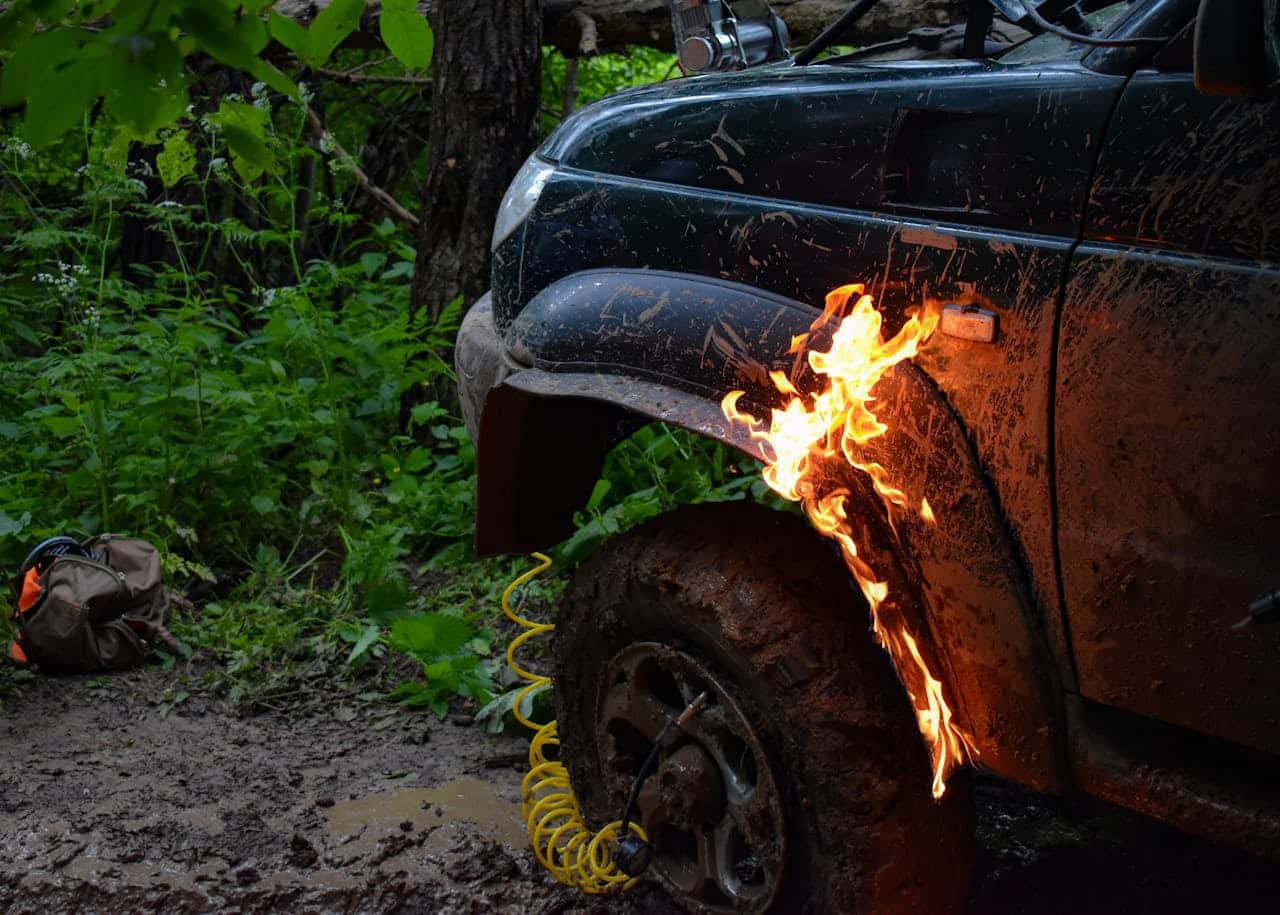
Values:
[(239, 238)]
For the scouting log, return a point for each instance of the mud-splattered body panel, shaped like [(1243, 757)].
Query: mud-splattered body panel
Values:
[(948, 183), (1168, 414)]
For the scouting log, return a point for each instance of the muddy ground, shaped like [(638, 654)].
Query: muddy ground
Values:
[(113, 801)]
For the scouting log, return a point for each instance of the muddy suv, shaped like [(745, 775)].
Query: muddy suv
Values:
[(1097, 430)]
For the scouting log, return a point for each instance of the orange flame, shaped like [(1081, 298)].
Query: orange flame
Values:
[(836, 422)]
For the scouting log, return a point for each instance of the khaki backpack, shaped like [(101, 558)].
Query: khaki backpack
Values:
[(92, 606)]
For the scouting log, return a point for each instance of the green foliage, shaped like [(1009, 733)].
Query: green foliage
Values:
[(245, 129), (206, 343), (238, 425), (176, 161), (129, 56), (406, 34), (652, 472), (498, 716), (450, 651), (234, 397), (599, 76), (334, 23), (127, 61)]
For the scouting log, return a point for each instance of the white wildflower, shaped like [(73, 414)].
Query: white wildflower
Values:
[(65, 282), (269, 296)]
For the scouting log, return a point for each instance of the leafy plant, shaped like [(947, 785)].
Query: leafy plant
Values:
[(652, 472), (498, 716), (450, 651), (127, 60), (598, 76)]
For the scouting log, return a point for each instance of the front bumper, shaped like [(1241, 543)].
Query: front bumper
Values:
[(481, 361)]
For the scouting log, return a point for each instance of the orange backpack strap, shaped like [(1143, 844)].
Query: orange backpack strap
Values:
[(30, 590), (26, 600)]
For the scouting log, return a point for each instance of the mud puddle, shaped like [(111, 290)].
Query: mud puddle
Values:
[(105, 807), (466, 805)]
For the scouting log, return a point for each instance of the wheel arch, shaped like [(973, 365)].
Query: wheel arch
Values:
[(545, 430)]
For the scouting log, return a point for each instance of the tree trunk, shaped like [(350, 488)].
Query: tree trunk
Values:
[(484, 114), (484, 108)]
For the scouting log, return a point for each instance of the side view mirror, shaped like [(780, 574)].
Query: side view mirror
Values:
[(1237, 46)]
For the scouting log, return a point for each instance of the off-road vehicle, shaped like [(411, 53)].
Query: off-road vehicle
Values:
[(1097, 431)]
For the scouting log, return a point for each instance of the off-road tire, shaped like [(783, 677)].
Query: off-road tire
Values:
[(764, 601)]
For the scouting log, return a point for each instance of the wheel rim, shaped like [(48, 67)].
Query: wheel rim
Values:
[(712, 807)]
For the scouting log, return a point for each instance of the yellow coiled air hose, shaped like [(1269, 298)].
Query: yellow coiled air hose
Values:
[(561, 839)]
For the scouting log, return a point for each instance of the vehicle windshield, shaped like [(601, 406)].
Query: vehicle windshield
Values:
[(1047, 47)]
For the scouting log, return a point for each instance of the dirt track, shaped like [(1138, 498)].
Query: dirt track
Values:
[(107, 807)]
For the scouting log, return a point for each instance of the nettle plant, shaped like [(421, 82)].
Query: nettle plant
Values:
[(167, 358), (228, 397), (176, 401)]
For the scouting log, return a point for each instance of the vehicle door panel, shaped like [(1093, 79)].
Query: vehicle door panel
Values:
[(1168, 413)]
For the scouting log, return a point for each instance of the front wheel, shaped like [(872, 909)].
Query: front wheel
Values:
[(803, 783)]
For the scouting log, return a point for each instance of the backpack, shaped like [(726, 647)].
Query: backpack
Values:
[(91, 606)]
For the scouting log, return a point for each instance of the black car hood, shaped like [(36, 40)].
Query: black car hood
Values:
[(813, 133)]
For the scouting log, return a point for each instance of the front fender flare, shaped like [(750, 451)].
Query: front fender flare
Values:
[(600, 349)]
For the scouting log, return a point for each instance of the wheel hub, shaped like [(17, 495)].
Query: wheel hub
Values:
[(690, 789), (712, 808)]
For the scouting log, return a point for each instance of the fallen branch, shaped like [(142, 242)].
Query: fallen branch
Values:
[(388, 202), (348, 76), (587, 27), (588, 34)]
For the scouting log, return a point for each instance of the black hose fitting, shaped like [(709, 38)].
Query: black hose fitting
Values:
[(633, 854)]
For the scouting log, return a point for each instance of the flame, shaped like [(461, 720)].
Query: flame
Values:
[(835, 423)]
